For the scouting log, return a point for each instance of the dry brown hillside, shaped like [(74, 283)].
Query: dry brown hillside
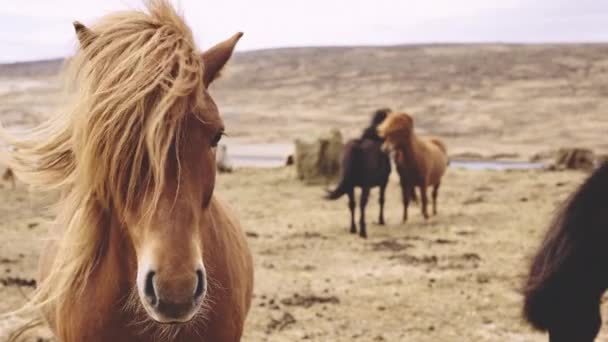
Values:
[(488, 99)]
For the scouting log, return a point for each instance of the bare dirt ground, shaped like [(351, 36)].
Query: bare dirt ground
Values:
[(454, 278)]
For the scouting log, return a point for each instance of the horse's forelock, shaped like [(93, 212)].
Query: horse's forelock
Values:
[(136, 101)]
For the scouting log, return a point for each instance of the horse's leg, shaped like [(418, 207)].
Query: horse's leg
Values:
[(425, 201), (435, 192), (382, 191), (362, 204), (405, 194), (413, 197), (351, 206)]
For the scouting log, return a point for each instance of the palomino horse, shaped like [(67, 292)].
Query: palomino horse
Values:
[(365, 165), (569, 273), (144, 250), (420, 162)]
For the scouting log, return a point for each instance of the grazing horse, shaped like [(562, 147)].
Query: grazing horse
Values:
[(569, 273), (143, 249), (420, 162), (364, 165)]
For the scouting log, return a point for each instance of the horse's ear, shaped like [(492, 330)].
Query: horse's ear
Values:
[(216, 57), (84, 34)]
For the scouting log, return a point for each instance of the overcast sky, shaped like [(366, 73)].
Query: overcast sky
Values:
[(38, 29)]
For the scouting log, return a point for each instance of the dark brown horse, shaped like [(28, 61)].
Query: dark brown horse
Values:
[(364, 165), (569, 273)]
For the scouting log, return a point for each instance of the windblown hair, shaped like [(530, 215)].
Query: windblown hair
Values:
[(133, 80), (397, 123)]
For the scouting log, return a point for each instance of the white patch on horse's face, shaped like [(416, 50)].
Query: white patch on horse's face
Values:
[(143, 265)]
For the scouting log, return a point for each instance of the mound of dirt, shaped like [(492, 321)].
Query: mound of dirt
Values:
[(18, 282), (9, 177), (280, 323), (318, 161), (307, 301), (390, 245), (574, 159)]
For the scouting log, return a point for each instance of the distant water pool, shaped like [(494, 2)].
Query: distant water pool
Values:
[(495, 165), (275, 155)]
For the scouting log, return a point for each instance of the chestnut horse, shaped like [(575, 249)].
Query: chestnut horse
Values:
[(569, 273), (143, 249), (420, 162)]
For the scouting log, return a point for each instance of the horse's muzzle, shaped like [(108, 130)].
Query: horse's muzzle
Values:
[(176, 301)]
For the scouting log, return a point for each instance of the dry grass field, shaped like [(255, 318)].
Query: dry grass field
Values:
[(456, 277)]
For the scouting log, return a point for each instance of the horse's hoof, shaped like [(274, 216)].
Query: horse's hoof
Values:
[(364, 236)]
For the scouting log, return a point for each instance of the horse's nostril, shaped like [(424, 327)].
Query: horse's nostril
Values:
[(200, 285), (149, 290)]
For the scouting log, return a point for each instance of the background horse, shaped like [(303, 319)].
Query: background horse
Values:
[(364, 165), (420, 162), (143, 249), (9, 177), (569, 273)]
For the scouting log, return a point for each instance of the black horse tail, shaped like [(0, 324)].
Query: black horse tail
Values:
[(352, 154), (570, 270)]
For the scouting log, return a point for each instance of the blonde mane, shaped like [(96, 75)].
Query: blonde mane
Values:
[(133, 81)]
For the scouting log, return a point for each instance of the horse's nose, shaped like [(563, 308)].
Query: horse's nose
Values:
[(172, 306), (201, 285), (150, 290)]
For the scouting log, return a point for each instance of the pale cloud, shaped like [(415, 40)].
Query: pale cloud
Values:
[(34, 29)]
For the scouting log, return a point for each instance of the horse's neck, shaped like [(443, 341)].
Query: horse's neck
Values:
[(221, 231), (409, 150), (226, 249), (104, 296), (407, 147)]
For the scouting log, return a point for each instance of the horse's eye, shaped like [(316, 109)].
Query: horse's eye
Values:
[(216, 138)]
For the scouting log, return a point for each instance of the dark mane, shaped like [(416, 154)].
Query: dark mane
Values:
[(379, 116), (569, 273), (371, 132)]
